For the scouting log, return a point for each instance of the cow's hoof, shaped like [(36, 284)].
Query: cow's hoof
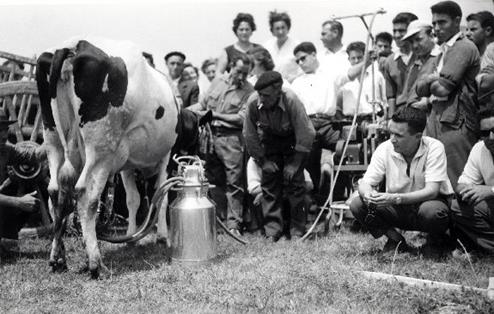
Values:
[(101, 272), (94, 273), (163, 240), (58, 266)]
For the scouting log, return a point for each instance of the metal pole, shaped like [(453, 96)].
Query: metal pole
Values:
[(380, 11)]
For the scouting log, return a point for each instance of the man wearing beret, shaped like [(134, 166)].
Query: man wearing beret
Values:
[(278, 135)]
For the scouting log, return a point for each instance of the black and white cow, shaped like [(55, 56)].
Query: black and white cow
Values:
[(105, 110)]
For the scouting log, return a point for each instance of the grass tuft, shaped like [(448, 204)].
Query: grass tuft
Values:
[(319, 276)]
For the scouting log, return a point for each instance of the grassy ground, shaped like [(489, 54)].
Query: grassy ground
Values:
[(318, 276)]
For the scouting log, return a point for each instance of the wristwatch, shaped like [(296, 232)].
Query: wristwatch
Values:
[(398, 199)]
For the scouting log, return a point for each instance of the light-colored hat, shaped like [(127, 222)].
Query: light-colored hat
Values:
[(414, 27)]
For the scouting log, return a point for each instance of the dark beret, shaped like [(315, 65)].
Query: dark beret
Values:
[(267, 79), (174, 53)]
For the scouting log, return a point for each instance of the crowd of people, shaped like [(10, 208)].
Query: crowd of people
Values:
[(275, 108)]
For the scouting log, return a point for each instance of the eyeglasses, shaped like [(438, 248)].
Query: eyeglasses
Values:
[(301, 59)]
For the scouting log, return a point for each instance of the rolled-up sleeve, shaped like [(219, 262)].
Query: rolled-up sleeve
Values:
[(303, 128)]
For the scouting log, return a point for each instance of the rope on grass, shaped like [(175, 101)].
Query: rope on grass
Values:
[(423, 283)]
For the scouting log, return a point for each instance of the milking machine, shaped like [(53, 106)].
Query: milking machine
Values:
[(192, 215)]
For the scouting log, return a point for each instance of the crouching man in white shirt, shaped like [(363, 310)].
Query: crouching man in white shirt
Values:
[(417, 185)]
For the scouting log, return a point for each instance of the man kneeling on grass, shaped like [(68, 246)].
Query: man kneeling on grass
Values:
[(417, 185)]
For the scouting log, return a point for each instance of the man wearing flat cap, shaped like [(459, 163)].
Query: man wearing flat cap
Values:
[(279, 135), (14, 210), (421, 39)]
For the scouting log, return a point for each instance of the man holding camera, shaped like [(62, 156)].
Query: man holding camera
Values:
[(417, 185)]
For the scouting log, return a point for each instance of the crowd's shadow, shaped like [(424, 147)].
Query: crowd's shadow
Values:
[(12, 257), (132, 258)]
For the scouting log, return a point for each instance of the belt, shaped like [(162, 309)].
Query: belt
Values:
[(224, 130), (321, 116)]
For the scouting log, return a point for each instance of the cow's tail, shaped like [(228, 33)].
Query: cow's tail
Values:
[(43, 67)]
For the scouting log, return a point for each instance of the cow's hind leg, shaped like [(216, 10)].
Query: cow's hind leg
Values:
[(61, 203), (132, 198), (57, 262), (89, 189), (162, 234)]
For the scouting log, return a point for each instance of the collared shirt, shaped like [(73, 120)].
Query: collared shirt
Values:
[(445, 47), (349, 94), (224, 97), (317, 91), (420, 68), (479, 168), (405, 57), (334, 63), (284, 125), (283, 58), (394, 72), (428, 165)]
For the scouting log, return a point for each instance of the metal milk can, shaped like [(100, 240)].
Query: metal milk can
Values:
[(192, 216)]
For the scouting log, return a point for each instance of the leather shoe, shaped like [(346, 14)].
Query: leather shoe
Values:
[(403, 247), (235, 232)]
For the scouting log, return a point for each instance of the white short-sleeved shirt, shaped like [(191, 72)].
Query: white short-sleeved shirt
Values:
[(317, 91), (349, 93), (479, 168), (428, 165), (334, 62), (254, 173), (283, 57)]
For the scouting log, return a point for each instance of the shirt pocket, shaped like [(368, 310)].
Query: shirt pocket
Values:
[(214, 99), (232, 103)]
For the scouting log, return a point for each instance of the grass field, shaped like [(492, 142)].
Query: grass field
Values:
[(317, 276)]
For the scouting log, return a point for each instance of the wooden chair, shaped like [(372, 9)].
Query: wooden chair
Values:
[(20, 101), (16, 68)]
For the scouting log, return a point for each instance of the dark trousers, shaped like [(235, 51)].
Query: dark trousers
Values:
[(474, 224), (12, 219), (430, 216), (326, 137), (275, 189), (226, 164), (458, 142), (11, 222)]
